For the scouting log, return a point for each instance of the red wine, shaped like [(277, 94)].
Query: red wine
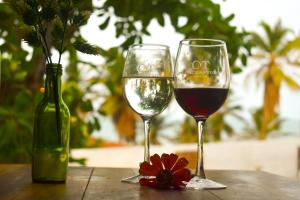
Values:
[(200, 102)]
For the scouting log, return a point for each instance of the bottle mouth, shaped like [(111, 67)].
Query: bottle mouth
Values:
[(54, 68)]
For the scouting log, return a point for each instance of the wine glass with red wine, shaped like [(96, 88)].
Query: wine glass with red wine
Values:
[(201, 83), (147, 85)]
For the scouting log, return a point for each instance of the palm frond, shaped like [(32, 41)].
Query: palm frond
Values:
[(238, 116), (261, 71), (294, 62), (291, 45), (256, 75), (259, 55), (259, 42), (269, 33), (291, 82), (278, 34), (275, 124), (274, 36), (110, 105), (228, 129)]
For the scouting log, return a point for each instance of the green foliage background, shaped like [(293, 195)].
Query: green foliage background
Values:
[(22, 74)]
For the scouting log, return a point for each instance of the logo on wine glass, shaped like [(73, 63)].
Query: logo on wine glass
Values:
[(150, 66), (200, 64), (203, 68), (143, 68)]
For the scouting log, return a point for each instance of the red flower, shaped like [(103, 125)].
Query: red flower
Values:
[(165, 172)]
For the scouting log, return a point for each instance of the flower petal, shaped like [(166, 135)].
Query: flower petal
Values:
[(148, 182), (169, 160), (181, 163), (182, 175), (148, 170), (156, 161)]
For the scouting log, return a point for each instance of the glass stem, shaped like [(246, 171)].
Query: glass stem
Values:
[(200, 164), (147, 139)]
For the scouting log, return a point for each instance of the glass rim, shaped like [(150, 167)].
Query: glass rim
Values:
[(203, 42), (148, 46)]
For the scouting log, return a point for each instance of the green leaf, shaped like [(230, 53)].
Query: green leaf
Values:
[(244, 59), (146, 32), (129, 41), (81, 18), (29, 17), (32, 3), (97, 124), (58, 30), (32, 39), (64, 11), (229, 18), (119, 28), (101, 14), (160, 20), (48, 13), (111, 54), (104, 24), (94, 124), (236, 70), (87, 48), (174, 20), (86, 106)]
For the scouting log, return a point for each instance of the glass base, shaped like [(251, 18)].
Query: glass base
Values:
[(198, 183), (132, 179)]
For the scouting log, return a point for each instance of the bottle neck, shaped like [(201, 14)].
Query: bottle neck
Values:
[(53, 83)]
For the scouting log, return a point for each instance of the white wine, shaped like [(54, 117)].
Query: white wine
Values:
[(148, 96)]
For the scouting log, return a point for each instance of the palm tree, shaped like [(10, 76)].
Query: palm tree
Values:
[(273, 48), (253, 128), (188, 131), (218, 122), (159, 123)]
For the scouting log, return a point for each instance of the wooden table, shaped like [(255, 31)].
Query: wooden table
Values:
[(104, 183)]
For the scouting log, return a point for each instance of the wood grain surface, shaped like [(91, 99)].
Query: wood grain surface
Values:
[(104, 183)]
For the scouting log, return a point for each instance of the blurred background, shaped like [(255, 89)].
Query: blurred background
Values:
[(258, 128)]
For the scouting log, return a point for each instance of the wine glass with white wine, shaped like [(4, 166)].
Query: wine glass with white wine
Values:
[(147, 85)]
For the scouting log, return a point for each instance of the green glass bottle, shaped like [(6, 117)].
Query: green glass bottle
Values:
[(50, 155)]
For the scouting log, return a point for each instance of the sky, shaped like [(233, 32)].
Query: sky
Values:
[(248, 14)]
